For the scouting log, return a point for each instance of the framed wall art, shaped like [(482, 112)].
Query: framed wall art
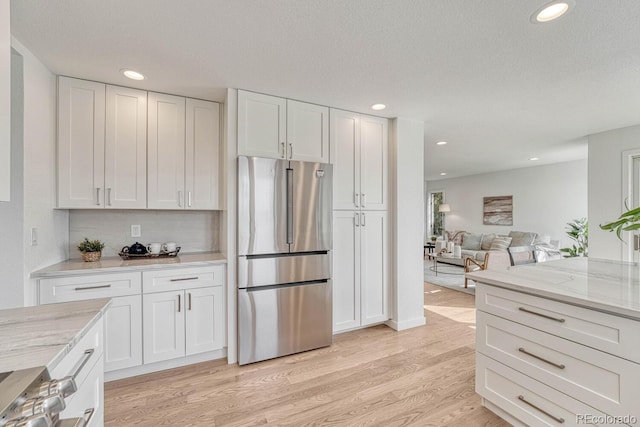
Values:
[(498, 210)]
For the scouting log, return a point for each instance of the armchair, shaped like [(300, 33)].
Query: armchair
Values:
[(493, 260)]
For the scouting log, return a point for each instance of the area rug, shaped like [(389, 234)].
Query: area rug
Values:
[(449, 281)]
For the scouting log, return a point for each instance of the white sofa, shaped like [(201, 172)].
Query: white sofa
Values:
[(476, 245)]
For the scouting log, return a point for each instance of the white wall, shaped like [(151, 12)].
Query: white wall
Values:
[(40, 172), (11, 213), (193, 231), (5, 103), (606, 201), (407, 223), (545, 198)]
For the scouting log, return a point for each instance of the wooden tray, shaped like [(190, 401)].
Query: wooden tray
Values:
[(127, 255)]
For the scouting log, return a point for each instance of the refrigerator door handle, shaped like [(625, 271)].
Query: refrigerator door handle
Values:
[(290, 206)]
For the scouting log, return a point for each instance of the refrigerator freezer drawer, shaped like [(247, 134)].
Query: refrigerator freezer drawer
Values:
[(277, 321), (281, 269)]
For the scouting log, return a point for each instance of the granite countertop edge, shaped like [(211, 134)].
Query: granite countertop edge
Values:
[(117, 265)]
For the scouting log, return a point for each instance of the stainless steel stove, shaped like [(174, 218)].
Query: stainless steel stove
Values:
[(30, 398)]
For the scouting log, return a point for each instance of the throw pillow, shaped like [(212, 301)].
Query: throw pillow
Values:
[(500, 243), (522, 238), (486, 241), (471, 241)]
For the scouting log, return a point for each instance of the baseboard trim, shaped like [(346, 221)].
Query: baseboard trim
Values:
[(164, 365), (406, 324)]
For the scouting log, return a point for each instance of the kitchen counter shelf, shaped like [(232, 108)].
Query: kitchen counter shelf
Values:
[(117, 264)]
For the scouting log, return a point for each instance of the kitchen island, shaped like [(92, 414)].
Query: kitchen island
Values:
[(557, 342), (67, 339)]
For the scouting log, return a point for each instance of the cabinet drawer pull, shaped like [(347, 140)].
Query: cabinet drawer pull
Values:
[(86, 288), (179, 299), (559, 420), (85, 358), (88, 414), (189, 301), (522, 350), (556, 319), (182, 279)]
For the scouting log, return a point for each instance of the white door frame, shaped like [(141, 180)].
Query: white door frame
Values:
[(628, 156)]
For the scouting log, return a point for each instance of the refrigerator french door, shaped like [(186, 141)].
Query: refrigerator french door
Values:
[(284, 257)]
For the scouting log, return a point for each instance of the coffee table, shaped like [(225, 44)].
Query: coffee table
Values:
[(437, 258)]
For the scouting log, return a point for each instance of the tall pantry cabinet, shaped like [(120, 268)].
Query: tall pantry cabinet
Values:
[(359, 153)]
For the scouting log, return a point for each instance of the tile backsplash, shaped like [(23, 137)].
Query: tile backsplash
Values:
[(193, 231)]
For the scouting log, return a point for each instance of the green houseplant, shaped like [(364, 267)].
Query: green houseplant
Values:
[(577, 230), (628, 221), (91, 249)]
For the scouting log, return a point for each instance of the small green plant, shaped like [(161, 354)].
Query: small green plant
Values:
[(90, 246), (628, 221), (577, 230)]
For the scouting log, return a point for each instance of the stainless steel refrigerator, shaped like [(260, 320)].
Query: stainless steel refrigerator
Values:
[(284, 257)]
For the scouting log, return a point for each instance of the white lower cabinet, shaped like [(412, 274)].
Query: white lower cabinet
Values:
[(360, 269), (548, 363), (155, 315), (185, 321)]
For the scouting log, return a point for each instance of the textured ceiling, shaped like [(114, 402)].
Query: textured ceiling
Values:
[(497, 87)]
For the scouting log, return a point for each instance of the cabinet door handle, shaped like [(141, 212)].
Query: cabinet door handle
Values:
[(522, 350), (179, 300), (88, 414), (356, 220), (284, 150), (85, 358), (559, 420), (189, 198), (364, 200), (541, 315), (355, 199), (363, 220), (182, 279), (98, 196), (109, 196), (290, 150), (85, 288), (189, 301), (179, 198)]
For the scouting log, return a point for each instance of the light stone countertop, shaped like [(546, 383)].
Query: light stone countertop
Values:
[(42, 335), (117, 264), (608, 286)]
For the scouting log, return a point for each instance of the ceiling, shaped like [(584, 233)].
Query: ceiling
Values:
[(497, 87)]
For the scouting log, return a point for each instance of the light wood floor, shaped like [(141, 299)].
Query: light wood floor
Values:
[(375, 377)]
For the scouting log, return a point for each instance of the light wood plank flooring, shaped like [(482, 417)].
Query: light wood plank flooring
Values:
[(372, 377)]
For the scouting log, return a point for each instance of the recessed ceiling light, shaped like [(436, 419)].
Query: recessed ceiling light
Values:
[(133, 75), (551, 11), (534, 158), (441, 143), (443, 173), (378, 107)]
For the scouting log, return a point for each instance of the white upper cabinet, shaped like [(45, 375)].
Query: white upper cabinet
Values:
[(183, 153), (166, 152), (81, 126), (102, 145), (359, 147), (203, 167), (125, 167), (278, 128), (307, 132), (262, 125)]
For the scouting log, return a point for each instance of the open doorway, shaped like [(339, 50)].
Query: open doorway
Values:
[(435, 218)]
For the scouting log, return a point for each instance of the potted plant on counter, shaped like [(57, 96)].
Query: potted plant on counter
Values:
[(91, 250)]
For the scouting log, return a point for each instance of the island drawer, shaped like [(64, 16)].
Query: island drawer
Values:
[(528, 400), (84, 287), (613, 334), (596, 378), (163, 280)]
